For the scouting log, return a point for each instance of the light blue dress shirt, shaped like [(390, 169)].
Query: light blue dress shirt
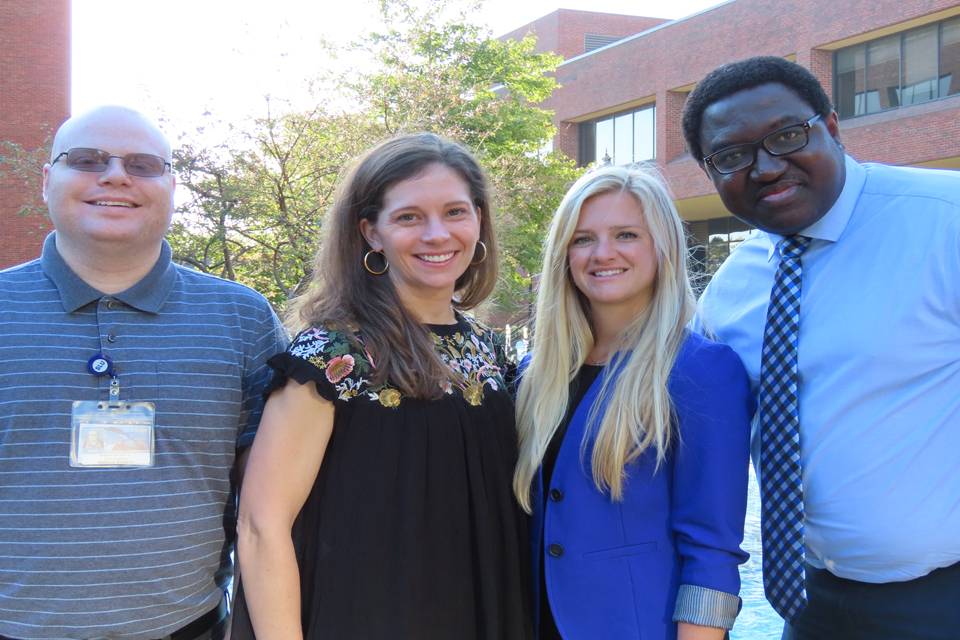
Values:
[(879, 359)]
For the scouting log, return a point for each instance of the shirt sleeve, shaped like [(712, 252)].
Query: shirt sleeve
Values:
[(269, 339), (714, 407), (706, 607), (336, 362)]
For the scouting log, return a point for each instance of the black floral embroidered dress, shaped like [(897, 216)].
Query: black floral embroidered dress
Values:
[(411, 531)]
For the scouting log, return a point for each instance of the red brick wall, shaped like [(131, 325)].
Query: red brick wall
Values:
[(563, 30), (546, 30), (670, 145), (911, 135), (682, 52), (34, 100), (575, 24)]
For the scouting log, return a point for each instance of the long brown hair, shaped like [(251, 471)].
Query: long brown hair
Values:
[(342, 293)]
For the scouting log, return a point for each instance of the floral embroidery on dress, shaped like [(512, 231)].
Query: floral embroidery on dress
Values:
[(475, 356), (339, 367), (389, 397)]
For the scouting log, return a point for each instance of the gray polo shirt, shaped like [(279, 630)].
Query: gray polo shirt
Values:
[(122, 553)]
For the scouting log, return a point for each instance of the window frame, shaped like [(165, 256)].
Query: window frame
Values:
[(902, 35), (587, 135)]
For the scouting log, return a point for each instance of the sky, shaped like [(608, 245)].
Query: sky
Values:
[(178, 59)]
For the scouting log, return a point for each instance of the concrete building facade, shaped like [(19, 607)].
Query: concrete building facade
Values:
[(892, 69), (34, 100)]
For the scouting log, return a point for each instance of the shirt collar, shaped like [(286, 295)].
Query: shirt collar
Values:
[(830, 227), (149, 294)]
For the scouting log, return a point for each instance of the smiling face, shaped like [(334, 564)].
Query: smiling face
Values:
[(112, 208), (428, 230), (612, 256), (780, 194)]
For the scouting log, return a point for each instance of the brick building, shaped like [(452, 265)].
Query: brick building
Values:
[(34, 100), (889, 67)]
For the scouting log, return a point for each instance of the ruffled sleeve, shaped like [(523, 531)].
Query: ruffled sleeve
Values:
[(337, 364)]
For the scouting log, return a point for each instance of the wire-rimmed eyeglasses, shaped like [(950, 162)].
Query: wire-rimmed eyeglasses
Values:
[(143, 165)]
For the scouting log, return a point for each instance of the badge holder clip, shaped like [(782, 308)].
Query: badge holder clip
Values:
[(112, 434)]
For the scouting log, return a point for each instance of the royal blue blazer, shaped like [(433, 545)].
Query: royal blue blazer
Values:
[(614, 569)]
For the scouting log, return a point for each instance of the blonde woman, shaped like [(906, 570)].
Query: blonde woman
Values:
[(633, 432)]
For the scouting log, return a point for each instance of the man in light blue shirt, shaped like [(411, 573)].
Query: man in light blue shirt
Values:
[(878, 351)]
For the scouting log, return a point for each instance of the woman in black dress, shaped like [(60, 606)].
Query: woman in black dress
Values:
[(389, 427)]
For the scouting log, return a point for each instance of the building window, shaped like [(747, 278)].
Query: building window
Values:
[(726, 234), (623, 138), (899, 70), (710, 242)]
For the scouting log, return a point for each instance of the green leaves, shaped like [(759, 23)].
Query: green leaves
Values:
[(19, 164), (256, 204)]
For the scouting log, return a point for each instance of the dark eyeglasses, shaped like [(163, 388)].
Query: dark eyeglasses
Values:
[(96, 161), (779, 143)]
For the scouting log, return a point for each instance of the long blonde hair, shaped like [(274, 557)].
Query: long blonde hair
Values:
[(638, 412)]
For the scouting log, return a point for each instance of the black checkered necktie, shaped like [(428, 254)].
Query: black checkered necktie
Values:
[(780, 485)]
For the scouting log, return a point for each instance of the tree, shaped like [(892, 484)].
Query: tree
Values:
[(452, 78), (23, 165), (257, 204)]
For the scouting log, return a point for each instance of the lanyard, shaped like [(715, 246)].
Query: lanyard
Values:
[(101, 365)]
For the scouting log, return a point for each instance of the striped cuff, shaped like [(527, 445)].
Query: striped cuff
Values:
[(706, 607)]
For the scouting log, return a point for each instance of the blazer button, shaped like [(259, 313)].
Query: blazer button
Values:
[(556, 550), (556, 495)]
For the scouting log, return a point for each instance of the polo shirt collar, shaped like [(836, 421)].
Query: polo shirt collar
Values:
[(149, 294), (831, 226)]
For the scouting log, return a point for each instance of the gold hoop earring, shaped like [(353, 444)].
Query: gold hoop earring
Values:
[(480, 242), (386, 264)]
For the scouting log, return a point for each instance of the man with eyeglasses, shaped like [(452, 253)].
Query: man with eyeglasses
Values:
[(104, 338), (844, 306)]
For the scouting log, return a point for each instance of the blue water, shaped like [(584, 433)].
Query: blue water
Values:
[(757, 621)]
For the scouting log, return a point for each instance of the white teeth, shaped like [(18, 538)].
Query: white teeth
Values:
[(609, 272), (440, 258), (111, 203)]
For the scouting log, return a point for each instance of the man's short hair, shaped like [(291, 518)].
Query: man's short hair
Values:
[(745, 74)]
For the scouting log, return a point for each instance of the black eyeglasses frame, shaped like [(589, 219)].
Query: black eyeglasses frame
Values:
[(762, 142)]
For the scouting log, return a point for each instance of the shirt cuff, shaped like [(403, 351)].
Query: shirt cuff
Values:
[(706, 607)]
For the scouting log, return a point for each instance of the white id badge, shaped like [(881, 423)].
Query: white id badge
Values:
[(112, 434)]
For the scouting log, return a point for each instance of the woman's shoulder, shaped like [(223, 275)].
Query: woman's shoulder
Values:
[(482, 330), (337, 360), (700, 355), (708, 376), (322, 340)]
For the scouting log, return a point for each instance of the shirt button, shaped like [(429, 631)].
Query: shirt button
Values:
[(556, 550), (556, 495), (112, 337), (112, 304), (830, 564)]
